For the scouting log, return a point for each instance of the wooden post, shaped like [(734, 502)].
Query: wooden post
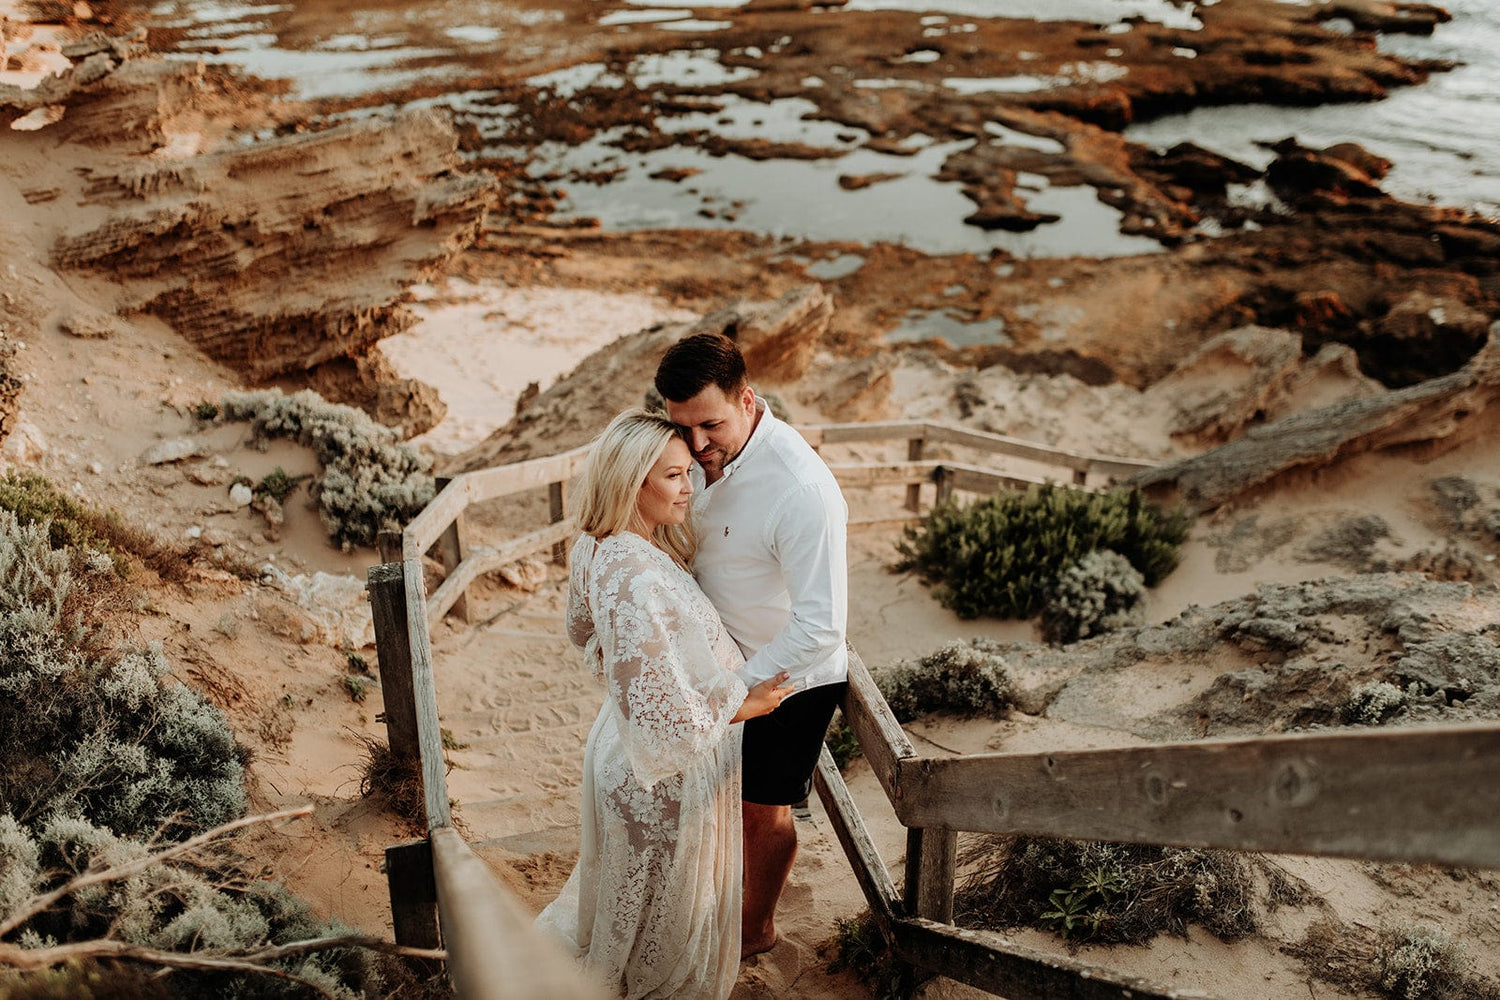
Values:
[(557, 497), (944, 486), (914, 491), (451, 551), (387, 592), (414, 909), (930, 856), (390, 544), (424, 698)]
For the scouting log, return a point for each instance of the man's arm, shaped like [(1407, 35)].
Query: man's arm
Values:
[(807, 535)]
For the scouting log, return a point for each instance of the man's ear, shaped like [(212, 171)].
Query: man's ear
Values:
[(747, 398)]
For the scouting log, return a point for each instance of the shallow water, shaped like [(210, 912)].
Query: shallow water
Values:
[(1444, 137)]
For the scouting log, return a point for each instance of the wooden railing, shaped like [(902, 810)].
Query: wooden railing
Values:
[(1420, 795), (442, 893), (441, 527), (1428, 794)]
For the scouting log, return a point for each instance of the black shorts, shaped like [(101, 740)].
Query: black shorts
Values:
[(782, 748)]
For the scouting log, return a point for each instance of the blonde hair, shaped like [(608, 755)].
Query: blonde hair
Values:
[(618, 463)]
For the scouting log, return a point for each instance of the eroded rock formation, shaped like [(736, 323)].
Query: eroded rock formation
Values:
[(1438, 412), (274, 257)]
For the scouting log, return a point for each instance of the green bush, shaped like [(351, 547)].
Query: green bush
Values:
[(962, 678), (91, 730), (102, 752), (1002, 555), (33, 499), (1104, 892), (1099, 593), (371, 482)]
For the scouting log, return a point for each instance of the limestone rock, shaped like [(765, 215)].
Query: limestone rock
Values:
[(779, 339), (23, 444), (277, 278), (527, 575), (1433, 412), (1432, 319), (325, 607), (1226, 383), (173, 450), (411, 405), (91, 325)]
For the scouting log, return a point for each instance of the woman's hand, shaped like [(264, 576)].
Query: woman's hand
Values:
[(764, 698)]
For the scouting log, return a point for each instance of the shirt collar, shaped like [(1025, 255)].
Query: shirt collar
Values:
[(758, 436)]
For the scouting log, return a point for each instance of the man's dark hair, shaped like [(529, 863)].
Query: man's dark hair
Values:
[(694, 363)]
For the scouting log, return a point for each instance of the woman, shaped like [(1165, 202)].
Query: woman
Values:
[(653, 906)]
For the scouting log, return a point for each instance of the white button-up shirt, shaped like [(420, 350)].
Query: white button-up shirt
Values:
[(772, 556)]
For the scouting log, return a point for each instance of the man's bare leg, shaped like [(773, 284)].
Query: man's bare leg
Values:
[(770, 849)]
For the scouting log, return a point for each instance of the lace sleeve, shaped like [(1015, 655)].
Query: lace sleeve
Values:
[(580, 615), (663, 674)]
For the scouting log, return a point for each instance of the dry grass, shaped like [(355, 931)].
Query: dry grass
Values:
[(1107, 893), (394, 782)]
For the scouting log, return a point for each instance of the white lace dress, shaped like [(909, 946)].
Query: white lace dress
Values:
[(653, 907)]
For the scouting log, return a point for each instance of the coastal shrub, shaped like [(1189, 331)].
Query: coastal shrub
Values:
[(1105, 892), (842, 744), (1099, 593), (89, 730), (962, 678), (1420, 963), (101, 753), (180, 905), (859, 947), (1372, 703), (371, 482), (1002, 555)]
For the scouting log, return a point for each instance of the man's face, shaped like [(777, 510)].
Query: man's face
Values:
[(716, 425)]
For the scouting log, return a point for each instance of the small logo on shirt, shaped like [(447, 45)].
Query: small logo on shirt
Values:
[(726, 531)]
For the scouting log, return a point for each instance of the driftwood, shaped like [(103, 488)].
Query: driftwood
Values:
[(1437, 411)]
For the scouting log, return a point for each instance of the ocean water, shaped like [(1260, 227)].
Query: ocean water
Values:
[(1443, 137)]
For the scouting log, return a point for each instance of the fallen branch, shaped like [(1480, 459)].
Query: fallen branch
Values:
[(114, 873), (208, 960)]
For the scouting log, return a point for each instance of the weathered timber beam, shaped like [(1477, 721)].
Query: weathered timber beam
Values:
[(424, 695), (849, 827), (1427, 794), (427, 527), (1006, 969), (881, 738), (494, 952), (866, 474), (485, 559), (503, 480)]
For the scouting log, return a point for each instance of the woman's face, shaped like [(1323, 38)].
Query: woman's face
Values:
[(664, 495)]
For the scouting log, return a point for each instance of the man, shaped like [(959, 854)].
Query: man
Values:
[(771, 522)]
